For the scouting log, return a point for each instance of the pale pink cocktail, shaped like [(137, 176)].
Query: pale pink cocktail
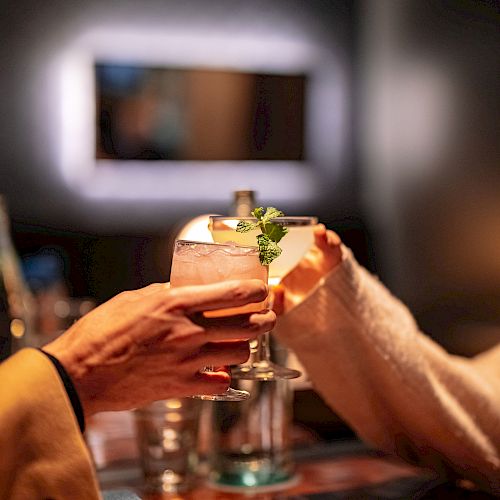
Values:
[(197, 263)]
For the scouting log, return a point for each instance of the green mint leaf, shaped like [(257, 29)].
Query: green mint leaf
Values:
[(275, 231), (268, 249), (258, 212), (244, 226), (271, 213), (272, 233)]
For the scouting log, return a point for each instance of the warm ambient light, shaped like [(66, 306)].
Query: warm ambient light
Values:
[(196, 230), (17, 328), (281, 181)]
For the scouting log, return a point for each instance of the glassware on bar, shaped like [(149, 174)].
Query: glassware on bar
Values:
[(250, 449), (167, 433), (294, 245), (197, 263)]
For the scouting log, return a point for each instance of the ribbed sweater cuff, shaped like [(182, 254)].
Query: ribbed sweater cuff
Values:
[(339, 288)]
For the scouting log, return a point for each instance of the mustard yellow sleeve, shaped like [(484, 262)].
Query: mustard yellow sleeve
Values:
[(42, 451)]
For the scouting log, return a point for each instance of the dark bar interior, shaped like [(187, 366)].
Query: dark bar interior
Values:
[(124, 121)]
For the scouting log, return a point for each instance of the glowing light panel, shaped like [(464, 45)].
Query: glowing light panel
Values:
[(184, 181)]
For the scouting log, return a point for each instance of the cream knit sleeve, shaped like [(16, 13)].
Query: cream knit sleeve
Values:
[(398, 389)]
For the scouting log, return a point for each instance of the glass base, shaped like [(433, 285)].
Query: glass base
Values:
[(251, 485), (263, 370), (230, 395)]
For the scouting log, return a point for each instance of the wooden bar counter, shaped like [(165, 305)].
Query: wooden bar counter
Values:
[(344, 469)]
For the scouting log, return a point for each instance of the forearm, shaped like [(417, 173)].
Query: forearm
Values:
[(395, 387)]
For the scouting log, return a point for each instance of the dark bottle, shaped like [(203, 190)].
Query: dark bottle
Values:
[(16, 301)]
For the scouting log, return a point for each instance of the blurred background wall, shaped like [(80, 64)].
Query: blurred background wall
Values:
[(430, 161), (414, 188)]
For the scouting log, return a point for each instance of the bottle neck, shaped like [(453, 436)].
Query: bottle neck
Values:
[(243, 204)]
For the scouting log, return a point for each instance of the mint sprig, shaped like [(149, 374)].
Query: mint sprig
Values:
[(271, 232)]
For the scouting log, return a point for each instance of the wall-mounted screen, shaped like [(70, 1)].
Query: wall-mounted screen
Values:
[(198, 114)]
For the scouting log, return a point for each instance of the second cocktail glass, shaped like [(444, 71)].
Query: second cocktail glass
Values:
[(294, 245), (197, 263)]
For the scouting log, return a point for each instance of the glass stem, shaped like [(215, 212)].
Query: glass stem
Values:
[(263, 352)]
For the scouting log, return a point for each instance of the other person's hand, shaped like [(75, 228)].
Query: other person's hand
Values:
[(323, 256), (150, 344)]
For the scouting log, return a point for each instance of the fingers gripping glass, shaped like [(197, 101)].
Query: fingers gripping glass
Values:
[(197, 263), (294, 245)]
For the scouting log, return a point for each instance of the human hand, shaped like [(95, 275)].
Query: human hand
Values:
[(323, 256), (150, 344)]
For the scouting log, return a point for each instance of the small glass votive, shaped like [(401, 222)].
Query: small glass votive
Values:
[(167, 433)]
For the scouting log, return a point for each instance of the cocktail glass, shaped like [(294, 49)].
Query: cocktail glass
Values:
[(197, 263), (295, 244)]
